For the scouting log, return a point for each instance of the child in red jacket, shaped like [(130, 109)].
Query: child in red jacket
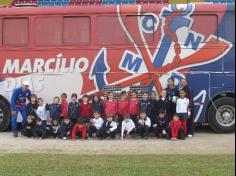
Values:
[(110, 105), (123, 107), (176, 129), (86, 109), (133, 108), (79, 129), (64, 105)]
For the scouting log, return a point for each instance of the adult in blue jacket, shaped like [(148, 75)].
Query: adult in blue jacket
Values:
[(18, 105)]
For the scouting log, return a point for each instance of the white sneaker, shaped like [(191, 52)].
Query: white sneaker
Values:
[(164, 132), (64, 138), (190, 135)]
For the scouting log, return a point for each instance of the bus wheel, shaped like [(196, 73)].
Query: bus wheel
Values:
[(5, 116), (221, 115)]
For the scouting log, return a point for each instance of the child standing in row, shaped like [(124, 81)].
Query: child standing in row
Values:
[(97, 105), (54, 108), (183, 110), (32, 106), (64, 105), (42, 112), (134, 108), (110, 105), (85, 110), (73, 108), (123, 107)]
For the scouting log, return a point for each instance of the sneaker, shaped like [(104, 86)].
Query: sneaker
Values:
[(65, 138), (164, 132), (190, 135)]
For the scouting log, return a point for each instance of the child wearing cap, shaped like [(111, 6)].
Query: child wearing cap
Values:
[(128, 127), (176, 129), (110, 105), (79, 129), (109, 128), (123, 107), (144, 125), (73, 108), (133, 107), (85, 109), (95, 125)]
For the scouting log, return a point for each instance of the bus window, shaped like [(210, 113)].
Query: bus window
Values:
[(15, 31), (203, 22), (48, 31), (76, 30), (148, 27), (109, 31), (229, 27)]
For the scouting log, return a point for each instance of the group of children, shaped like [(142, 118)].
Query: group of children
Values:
[(127, 117)]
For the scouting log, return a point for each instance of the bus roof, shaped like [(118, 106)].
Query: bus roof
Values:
[(14, 11)]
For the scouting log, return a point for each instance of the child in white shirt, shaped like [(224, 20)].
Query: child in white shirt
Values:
[(128, 127), (41, 111), (96, 124), (144, 125), (183, 110)]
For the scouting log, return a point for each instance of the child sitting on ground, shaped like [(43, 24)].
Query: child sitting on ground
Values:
[(27, 131), (79, 129), (144, 125), (96, 125), (66, 128), (54, 129), (109, 128), (176, 129), (161, 125), (32, 106), (73, 109), (39, 130), (128, 127)]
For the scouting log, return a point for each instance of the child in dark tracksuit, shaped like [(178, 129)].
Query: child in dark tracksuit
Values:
[(79, 129), (86, 110), (123, 107), (66, 128), (145, 104), (73, 109), (133, 110), (97, 105), (161, 125), (54, 108), (54, 129), (109, 128), (27, 130), (144, 125), (154, 105), (164, 103), (39, 130), (176, 129), (32, 106)]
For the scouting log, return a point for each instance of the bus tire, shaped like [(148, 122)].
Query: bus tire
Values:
[(221, 115), (5, 116)]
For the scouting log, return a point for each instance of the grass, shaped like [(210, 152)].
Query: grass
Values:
[(76, 165)]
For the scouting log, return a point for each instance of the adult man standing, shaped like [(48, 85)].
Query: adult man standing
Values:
[(189, 94), (18, 105)]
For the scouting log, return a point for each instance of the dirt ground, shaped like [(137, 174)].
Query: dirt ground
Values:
[(204, 142)]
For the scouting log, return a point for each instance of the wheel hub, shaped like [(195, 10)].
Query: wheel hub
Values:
[(1, 115), (226, 115)]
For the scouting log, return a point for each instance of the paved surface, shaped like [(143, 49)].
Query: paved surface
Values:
[(204, 142)]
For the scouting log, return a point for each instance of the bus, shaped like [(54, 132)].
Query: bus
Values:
[(85, 49)]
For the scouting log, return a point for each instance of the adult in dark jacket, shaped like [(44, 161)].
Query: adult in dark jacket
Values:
[(189, 95)]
